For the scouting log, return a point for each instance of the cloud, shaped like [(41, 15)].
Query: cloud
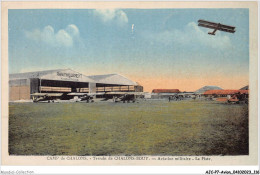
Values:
[(191, 35), (107, 15), (73, 30), (63, 38)]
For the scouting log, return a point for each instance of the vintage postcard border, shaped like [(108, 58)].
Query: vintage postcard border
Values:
[(215, 160)]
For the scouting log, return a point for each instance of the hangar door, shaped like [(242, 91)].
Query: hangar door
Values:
[(19, 89)]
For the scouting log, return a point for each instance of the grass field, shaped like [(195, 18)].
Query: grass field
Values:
[(145, 128)]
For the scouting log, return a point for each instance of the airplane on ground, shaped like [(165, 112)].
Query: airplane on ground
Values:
[(51, 97), (48, 97), (88, 97), (123, 96), (216, 26)]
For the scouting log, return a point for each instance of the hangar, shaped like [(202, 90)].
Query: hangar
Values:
[(115, 83), (22, 85)]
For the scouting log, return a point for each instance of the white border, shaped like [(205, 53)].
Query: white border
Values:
[(128, 169)]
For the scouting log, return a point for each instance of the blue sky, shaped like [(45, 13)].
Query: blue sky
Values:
[(143, 44)]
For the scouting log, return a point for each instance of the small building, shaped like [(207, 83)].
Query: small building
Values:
[(147, 95), (164, 93), (224, 93)]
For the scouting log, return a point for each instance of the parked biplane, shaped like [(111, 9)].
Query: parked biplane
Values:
[(88, 97), (123, 96), (216, 26), (46, 97)]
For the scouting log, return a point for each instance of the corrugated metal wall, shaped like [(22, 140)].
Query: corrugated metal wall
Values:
[(19, 89)]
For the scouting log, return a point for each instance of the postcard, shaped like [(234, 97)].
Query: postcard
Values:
[(129, 83)]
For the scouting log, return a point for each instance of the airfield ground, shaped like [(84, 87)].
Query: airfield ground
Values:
[(151, 127)]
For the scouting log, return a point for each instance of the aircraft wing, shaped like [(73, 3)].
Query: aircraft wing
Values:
[(54, 94), (97, 93), (218, 26), (226, 30), (125, 93), (213, 23), (116, 93), (89, 94), (77, 94), (39, 94), (47, 94)]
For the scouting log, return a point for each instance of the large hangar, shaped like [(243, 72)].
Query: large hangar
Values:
[(115, 83), (22, 85)]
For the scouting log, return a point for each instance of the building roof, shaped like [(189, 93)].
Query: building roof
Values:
[(165, 91), (57, 74), (36, 74), (113, 79), (245, 88), (71, 75), (225, 92)]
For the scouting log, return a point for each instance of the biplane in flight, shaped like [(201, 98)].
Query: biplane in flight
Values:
[(216, 26)]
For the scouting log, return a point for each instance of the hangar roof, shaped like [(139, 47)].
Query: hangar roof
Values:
[(245, 88), (57, 74), (37, 74), (113, 79), (70, 75)]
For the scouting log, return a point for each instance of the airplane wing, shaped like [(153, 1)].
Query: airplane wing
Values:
[(116, 93), (54, 94), (39, 94), (77, 94), (89, 94), (213, 23), (125, 93), (98, 93), (47, 94), (216, 26)]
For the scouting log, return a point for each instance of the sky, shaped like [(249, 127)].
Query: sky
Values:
[(158, 48)]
